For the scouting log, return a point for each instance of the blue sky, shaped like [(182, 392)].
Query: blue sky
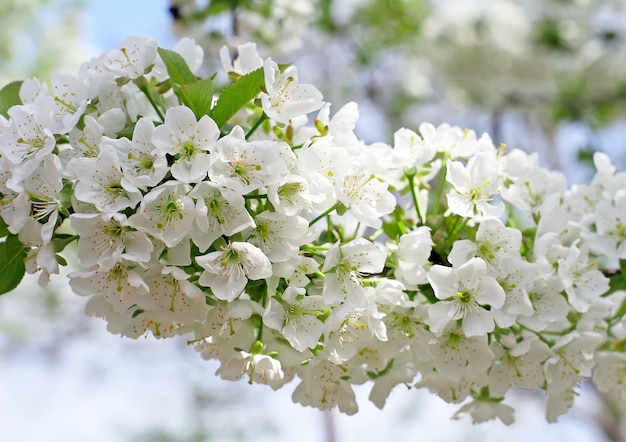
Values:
[(109, 22)]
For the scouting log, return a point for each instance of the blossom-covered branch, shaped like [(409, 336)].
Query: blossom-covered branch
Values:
[(289, 250)]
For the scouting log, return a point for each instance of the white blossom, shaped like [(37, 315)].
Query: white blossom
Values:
[(465, 292), (102, 182), (279, 237), (609, 375), (227, 271), (218, 211), (455, 354), (133, 58), (166, 213), (247, 60), (413, 253), (474, 186), (519, 363), (296, 317), (485, 410), (43, 188), (188, 140), (322, 387), (105, 236), (120, 284), (493, 242), (143, 165), (262, 369), (345, 265), (245, 166), (28, 139), (367, 197), (285, 98)]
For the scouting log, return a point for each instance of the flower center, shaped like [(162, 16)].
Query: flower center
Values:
[(464, 297), (35, 144), (114, 189), (172, 209), (214, 206), (289, 190), (118, 274), (42, 206), (188, 150), (243, 171), (143, 161), (115, 232), (486, 251)]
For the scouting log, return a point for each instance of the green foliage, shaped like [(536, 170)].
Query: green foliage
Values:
[(235, 96), (618, 281), (213, 7), (12, 269), (177, 67), (384, 371), (576, 102), (9, 96), (549, 35), (398, 21), (584, 156), (380, 26), (197, 96), (325, 19), (4, 230)]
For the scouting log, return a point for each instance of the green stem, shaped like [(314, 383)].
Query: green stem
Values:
[(329, 229), (256, 125), (309, 247), (356, 231), (442, 183), (377, 233), (314, 253), (416, 200), (539, 335), (261, 196), (323, 215), (143, 87), (259, 336), (456, 227), (319, 275)]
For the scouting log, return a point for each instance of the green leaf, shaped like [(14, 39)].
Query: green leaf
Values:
[(137, 312), (4, 229), (61, 241), (237, 95), (62, 261), (622, 310), (213, 8), (325, 16), (177, 67), (618, 279), (9, 96), (12, 269), (551, 35), (128, 131), (392, 229), (197, 96), (377, 374)]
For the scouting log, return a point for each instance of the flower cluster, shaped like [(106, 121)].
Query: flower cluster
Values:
[(286, 248), (279, 26), (518, 55)]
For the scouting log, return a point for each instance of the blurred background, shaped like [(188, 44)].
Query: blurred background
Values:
[(547, 77)]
